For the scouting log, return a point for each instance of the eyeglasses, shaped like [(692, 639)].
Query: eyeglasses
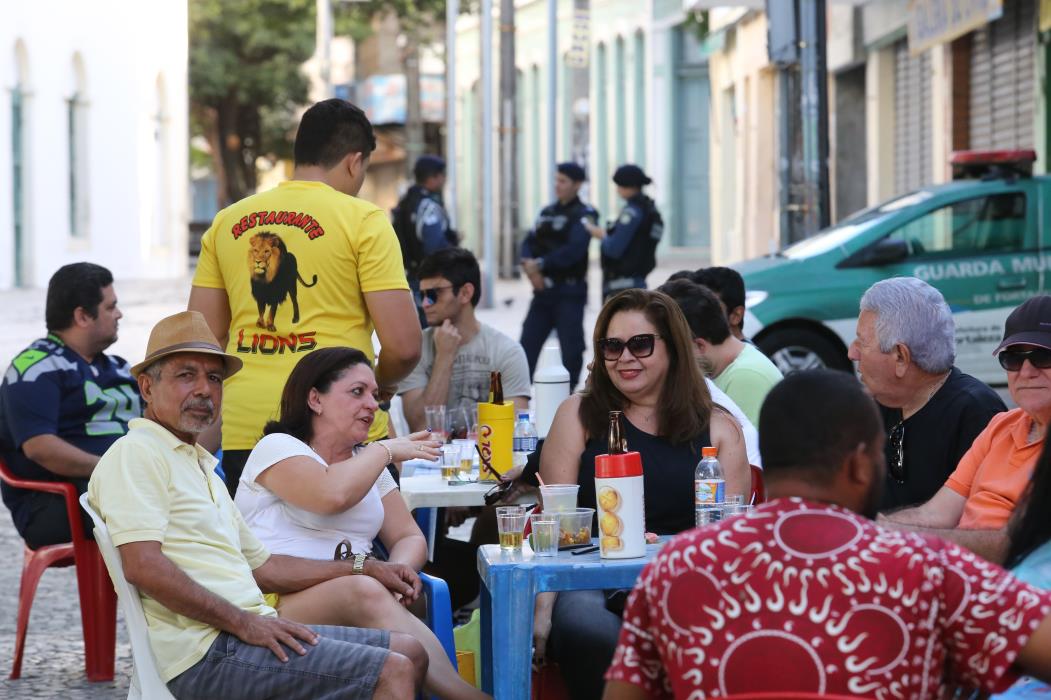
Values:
[(433, 293), (639, 345), (897, 446), (1012, 360)]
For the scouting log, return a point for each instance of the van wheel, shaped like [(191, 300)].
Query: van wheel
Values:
[(797, 349)]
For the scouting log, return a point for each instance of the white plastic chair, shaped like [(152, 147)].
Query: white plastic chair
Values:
[(146, 680)]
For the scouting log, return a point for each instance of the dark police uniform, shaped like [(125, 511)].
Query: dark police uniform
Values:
[(559, 242), (630, 247), (422, 225)]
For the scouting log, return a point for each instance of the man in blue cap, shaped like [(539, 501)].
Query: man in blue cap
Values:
[(629, 245), (421, 222), (555, 258)]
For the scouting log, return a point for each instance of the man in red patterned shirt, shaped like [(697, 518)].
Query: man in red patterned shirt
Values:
[(807, 594)]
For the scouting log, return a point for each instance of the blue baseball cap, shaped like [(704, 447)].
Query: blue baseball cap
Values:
[(428, 165)]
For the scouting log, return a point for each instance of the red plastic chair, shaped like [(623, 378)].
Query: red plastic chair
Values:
[(98, 600), (758, 489)]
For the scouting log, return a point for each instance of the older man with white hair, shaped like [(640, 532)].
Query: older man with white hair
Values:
[(975, 505), (932, 412)]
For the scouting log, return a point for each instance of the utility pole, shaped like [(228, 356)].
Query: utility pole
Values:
[(814, 108), (323, 44), (552, 94), (486, 79), (508, 141), (797, 47), (452, 11)]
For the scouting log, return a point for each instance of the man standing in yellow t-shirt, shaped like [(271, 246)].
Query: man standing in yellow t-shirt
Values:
[(303, 266)]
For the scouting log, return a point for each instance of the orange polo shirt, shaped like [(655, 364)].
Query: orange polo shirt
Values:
[(996, 470)]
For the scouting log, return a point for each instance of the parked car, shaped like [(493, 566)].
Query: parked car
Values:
[(983, 240)]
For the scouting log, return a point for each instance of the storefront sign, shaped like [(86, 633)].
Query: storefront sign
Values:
[(1045, 15), (933, 22)]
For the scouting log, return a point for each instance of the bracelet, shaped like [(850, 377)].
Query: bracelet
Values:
[(390, 455)]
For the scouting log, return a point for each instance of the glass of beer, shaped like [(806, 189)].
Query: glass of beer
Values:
[(510, 523), (467, 452), (450, 461)]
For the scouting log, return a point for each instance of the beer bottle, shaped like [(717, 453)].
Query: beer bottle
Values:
[(496, 388), (617, 443)]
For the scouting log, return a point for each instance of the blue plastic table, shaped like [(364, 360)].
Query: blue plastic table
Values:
[(510, 582)]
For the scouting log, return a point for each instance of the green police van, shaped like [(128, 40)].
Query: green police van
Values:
[(983, 240)]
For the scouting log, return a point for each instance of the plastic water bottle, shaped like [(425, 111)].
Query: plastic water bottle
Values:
[(524, 441), (708, 482), (550, 387)]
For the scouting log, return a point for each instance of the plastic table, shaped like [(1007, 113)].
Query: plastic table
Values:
[(429, 490), (511, 581)]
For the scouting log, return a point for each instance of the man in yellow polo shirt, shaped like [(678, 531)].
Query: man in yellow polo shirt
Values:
[(305, 265), (199, 570)]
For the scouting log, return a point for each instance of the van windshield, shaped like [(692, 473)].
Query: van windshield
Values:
[(834, 237)]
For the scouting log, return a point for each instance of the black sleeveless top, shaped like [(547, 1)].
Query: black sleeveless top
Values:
[(667, 476)]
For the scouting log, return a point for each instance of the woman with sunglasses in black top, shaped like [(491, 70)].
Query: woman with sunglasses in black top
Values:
[(643, 365)]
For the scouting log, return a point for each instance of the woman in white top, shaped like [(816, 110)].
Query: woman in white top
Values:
[(310, 483)]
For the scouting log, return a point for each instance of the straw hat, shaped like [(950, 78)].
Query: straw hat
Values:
[(186, 331)]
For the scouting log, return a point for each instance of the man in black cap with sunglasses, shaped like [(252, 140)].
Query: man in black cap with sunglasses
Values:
[(976, 502), (555, 259)]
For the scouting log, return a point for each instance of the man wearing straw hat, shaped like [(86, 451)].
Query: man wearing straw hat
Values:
[(199, 570)]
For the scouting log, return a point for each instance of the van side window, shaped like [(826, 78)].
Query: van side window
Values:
[(993, 223)]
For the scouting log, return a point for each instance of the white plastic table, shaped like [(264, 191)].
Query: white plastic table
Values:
[(427, 489)]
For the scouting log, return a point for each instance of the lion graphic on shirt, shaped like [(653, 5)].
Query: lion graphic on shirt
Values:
[(274, 273)]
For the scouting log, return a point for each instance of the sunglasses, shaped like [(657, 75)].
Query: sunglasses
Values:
[(897, 457), (1012, 360), (433, 293), (638, 345)]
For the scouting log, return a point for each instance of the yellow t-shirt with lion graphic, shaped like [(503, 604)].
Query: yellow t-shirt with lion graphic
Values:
[(296, 262)]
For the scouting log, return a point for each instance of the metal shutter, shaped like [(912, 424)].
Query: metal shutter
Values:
[(912, 119), (1003, 55)]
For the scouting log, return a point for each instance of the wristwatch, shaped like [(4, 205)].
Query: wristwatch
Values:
[(359, 563)]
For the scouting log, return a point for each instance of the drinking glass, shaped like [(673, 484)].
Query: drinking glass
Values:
[(545, 534), (467, 452), (450, 461), (435, 416), (510, 526), (459, 423)]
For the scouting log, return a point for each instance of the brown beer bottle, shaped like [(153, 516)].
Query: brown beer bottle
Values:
[(496, 387), (618, 444)]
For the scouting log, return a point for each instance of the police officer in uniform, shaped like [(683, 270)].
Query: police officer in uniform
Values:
[(421, 222), (629, 245), (555, 259)]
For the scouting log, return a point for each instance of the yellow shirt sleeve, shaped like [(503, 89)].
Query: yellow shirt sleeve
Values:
[(208, 273), (129, 487), (380, 266)]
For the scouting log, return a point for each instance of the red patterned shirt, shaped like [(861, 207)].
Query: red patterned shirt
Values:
[(809, 597)]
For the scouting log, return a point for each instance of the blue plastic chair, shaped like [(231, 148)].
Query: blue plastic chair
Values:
[(439, 612)]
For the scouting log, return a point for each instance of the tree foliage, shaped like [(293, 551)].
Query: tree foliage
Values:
[(246, 79)]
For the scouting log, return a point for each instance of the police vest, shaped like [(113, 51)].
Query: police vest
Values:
[(552, 232), (403, 220), (641, 255)]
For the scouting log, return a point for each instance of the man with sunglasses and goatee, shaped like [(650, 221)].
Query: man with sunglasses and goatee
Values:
[(904, 350), (976, 502)]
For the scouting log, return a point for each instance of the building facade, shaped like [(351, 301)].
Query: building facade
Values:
[(635, 90), (93, 160), (906, 88)]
